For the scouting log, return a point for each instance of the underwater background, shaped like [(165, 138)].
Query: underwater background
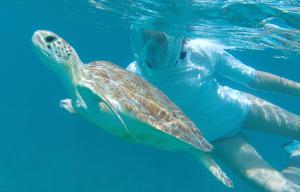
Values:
[(44, 148)]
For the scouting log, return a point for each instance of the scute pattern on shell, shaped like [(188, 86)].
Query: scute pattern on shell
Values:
[(144, 101)]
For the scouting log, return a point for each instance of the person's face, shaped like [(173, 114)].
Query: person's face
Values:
[(155, 49)]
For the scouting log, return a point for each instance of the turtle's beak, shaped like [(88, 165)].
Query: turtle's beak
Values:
[(39, 43), (37, 38)]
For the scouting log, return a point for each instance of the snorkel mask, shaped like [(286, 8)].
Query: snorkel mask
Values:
[(155, 52)]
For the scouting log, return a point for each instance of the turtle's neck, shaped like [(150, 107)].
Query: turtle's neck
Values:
[(76, 70), (72, 76)]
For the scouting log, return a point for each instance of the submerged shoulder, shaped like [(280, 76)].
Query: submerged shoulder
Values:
[(132, 67)]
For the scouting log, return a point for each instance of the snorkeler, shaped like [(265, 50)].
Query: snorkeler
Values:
[(186, 71)]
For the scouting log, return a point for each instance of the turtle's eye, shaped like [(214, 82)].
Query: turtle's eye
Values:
[(50, 39)]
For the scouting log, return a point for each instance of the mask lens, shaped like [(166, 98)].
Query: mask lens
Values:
[(155, 54)]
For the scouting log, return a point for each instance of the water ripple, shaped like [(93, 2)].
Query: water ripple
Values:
[(240, 24)]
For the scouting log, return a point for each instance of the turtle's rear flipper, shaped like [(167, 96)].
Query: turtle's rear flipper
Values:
[(213, 167)]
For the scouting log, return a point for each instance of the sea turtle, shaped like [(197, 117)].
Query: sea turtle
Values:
[(122, 103)]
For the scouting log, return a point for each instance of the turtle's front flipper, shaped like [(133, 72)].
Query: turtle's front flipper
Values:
[(67, 105), (103, 102), (213, 167)]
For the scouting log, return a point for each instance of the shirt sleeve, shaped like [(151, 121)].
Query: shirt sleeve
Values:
[(233, 69)]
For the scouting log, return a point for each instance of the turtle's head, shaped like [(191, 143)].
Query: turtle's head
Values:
[(56, 52)]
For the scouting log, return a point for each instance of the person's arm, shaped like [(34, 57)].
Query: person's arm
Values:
[(269, 82), (235, 70)]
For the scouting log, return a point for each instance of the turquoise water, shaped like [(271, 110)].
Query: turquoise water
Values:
[(43, 148)]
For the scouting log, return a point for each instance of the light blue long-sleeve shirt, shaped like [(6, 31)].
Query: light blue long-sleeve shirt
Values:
[(217, 110)]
